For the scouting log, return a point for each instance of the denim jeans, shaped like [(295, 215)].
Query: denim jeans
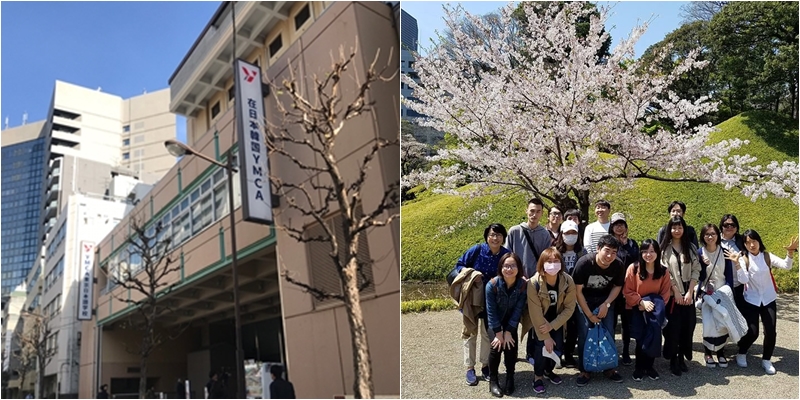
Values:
[(583, 329)]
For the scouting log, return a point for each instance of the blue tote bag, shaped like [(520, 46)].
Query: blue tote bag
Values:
[(599, 351)]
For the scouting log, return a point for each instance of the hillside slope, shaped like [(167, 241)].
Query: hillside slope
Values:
[(437, 229)]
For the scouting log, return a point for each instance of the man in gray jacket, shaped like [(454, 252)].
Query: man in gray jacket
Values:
[(529, 239)]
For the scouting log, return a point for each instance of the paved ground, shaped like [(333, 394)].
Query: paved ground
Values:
[(432, 359)]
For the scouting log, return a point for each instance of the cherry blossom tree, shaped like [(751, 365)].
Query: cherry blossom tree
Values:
[(564, 123)]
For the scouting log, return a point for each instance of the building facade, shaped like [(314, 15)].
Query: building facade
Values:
[(84, 219), (280, 322), (409, 35), (82, 124), (23, 155)]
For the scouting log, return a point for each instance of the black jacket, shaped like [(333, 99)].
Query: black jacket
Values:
[(281, 389)]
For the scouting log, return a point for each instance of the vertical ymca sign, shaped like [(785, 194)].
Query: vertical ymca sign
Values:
[(253, 163), (85, 284)]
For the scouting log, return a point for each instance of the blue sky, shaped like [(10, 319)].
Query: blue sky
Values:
[(123, 47), (664, 17)]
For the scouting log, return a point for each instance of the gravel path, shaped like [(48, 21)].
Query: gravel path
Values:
[(432, 366)]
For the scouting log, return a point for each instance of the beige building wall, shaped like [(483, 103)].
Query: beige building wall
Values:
[(317, 338), (22, 133), (146, 124)]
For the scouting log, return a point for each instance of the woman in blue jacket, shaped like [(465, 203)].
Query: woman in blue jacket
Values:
[(483, 258), (506, 296)]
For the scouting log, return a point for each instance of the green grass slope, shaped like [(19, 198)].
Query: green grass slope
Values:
[(437, 229)]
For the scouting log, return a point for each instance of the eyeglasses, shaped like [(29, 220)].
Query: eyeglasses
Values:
[(495, 235), (728, 225), (509, 266), (710, 235)]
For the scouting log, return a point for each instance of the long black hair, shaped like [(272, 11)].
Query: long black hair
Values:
[(753, 235), (640, 267), (686, 245)]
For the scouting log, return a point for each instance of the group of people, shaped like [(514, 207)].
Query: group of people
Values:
[(558, 280)]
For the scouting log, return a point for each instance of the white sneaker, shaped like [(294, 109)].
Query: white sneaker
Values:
[(768, 367), (741, 360)]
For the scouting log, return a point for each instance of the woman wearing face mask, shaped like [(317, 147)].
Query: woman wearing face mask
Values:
[(551, 303), (569, 245), (505, 300), (760, 295)]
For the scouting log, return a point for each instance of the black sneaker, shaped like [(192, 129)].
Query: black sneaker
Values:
[(652, 374), (673, 367), (638, 375), (569, 361), (682, 365), (582, 380), (614, 377), (553, 377), (626, 359)]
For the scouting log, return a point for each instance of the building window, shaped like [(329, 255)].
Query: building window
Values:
[(126, 142), (126, 128), (275, 46), (215, 110), (301, 17), (126, 156), (231, 93), (138, 138)]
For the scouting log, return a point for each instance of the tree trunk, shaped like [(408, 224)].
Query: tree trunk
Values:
[(40, 383), (362, 364), (583, 201), (145, 353)]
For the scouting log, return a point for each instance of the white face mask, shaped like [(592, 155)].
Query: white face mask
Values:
[(552, 268), (570, 240)]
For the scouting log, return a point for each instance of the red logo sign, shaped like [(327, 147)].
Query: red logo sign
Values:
[(87, 247), (249, 75)]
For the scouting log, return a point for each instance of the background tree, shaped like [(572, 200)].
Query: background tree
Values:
[(37, 348), (701, 10), (313, 125), (756, 44), (567, 124), (145, 275)]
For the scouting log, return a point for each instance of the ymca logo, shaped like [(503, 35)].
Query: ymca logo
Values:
[(249, 75), (87, 248)]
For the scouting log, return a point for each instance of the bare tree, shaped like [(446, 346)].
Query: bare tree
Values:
[(315, 124), (145, 274), (701, 10), (36, 348)]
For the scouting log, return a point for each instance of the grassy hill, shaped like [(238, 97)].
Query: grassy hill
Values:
[(437, 229)]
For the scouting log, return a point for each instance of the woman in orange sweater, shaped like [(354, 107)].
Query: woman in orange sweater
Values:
[(646, 277)]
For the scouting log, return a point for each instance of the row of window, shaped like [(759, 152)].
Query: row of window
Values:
[(52, 308), (52, 343), (56, 241), (18, 259), (34, 277), (14, 274), (207, 203), (54, 274)]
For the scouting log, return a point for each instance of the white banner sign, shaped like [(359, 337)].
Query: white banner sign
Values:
[(85, 285), (253, 163)]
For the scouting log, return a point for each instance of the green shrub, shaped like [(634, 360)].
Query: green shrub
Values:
[(437, 229)]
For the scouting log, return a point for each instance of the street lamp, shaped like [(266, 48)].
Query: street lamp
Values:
[(179, 149)]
